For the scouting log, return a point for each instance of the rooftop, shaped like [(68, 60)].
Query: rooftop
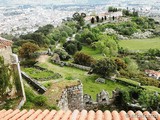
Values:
[(76, 115), (4, 42)]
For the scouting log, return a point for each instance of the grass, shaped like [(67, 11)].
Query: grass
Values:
[(152, 88), (89, 85), (39, 74), (53, 94), (141, 44), (94, 53), (128, 81)]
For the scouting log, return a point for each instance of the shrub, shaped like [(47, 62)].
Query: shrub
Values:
[(72, 47), (40, 100), (62, 54), (83, 59), (105, 67)]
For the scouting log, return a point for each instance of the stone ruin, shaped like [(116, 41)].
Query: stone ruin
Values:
[(100, 80)]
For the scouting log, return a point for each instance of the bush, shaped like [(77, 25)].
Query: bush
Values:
[(72, 47), (40, 100), (83, 59), (62, 54)]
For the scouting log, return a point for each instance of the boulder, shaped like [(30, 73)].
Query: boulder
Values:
[(100, 80)]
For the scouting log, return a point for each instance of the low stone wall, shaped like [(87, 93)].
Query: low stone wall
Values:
[(41, 89), (72, 98), (61, 63)]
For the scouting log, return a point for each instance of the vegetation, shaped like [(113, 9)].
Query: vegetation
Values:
[(4, 78), (28, 50), (141, 44), (41, 75), (105, 67), (72, 47), (83, 59)]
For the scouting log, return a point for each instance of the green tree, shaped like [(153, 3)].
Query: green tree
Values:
[(83, 59), (72, 47), (79, 18), (105, 67), (27, 50)]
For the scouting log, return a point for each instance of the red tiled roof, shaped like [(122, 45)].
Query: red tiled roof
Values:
[(4, 42), (76, 115)]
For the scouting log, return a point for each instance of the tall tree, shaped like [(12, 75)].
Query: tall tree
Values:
[(105, 67)]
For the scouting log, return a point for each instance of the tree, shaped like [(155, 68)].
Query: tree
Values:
[(27, 50), (79, 18), (72, 47), (105, 67), (83, 59), (97, 18), (4, 77), (45, 29), (92, 20)]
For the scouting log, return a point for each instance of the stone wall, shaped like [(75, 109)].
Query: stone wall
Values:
[(72, 98), (61, 63), (6, 52)]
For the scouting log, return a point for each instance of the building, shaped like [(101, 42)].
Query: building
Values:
[(152, 73), (13, 63), (6, 50), (77, 115)]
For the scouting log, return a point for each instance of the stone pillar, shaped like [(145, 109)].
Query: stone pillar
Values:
[(16, 67), (75, 97)]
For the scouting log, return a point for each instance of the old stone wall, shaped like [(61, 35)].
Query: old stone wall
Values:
[(6, 52), (72, 98), (61, 63)]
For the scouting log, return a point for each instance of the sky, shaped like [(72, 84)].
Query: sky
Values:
[(51, 1)]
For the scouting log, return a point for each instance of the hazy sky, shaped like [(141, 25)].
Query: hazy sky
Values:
[(50, 1)]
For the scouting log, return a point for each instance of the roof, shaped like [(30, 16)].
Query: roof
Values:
[(76, 115), (4, 42)]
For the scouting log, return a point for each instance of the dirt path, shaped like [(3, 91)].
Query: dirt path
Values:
[(43, 58)]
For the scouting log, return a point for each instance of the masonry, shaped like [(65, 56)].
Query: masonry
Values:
[(72, 98)]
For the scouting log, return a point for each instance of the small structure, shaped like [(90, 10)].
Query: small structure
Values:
[(103, 97), (152, 73), (100, 80)]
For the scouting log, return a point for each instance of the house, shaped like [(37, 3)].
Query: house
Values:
[(152, 73), (77, 115), (6, 50)]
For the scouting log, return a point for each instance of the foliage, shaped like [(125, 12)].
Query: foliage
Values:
[(4, 77), (79, 17), (83, 59), (62, 54), (153, 52), (112, 9), (105, 67), (40, 100), (27, 50), (107, 45), (120, 64), (87, 37), (149, 100), (72, 47), (45, 29), (39, 38)]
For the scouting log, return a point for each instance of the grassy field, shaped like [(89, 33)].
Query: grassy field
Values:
[(94, 53), (89, 85), (141, 44)]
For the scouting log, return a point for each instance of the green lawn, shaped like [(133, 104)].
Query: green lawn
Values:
[(94, 53), (89, 86), (141, 44), (39, 74)]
